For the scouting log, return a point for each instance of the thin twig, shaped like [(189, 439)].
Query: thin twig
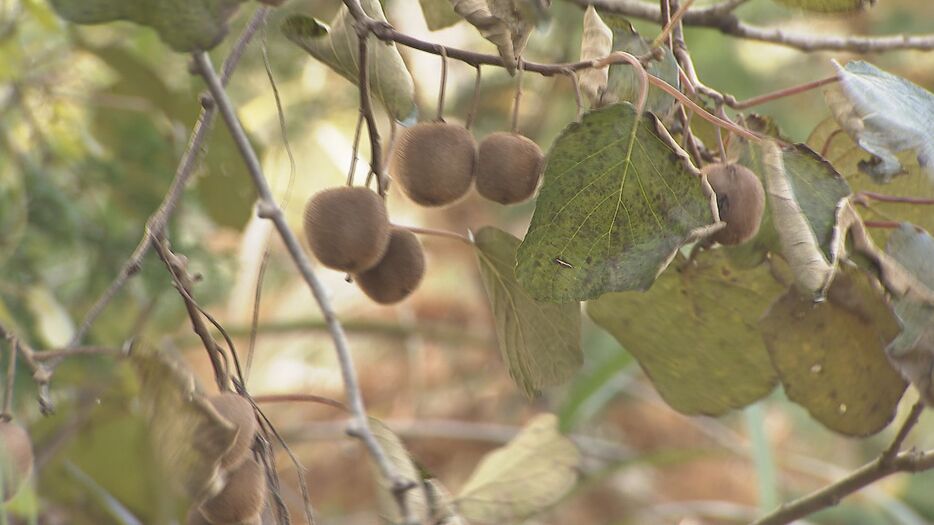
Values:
[(358, 426), (444, 83), (518, 98), (781, 93), (356, 146), (304, 398), (158, 221), (860, 478), (366, 107), (670, 24), (860, 198), (896, 446), (720, 17)]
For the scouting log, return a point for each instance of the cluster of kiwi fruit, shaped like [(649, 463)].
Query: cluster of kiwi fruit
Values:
[(241, 500), (348, 229), (15, 459), (435, 163), (740, 199)]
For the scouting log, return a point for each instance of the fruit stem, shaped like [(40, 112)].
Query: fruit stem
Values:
[(679, 14), (356, 146), (515, 103), (306, 398), (437, 233), (476, 100), (444, 81)]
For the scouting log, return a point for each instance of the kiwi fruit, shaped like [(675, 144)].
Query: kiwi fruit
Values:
[(741, 200), (398, 273), (242, 497), (347, 228), (238, 411), (509, 167), (434, 162), (15, 458)]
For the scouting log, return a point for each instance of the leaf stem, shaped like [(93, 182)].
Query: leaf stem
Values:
[(437, 233)]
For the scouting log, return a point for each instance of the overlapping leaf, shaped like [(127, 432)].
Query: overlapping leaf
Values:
[(337, 46), (439, 14), (828, 6), (817, 188), (596, 42), (913, 350), (885, 114), (505, 23), (831, 358), (623, 80), (189, 434), (847, 157), (529, 474), (540, 342), (694, 333), (619, 198), (185, 25)]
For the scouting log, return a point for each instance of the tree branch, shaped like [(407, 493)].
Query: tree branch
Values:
[(720, 17), (267, 208), (159, 220)]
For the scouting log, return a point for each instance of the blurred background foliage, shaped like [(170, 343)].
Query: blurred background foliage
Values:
[(93, 121)]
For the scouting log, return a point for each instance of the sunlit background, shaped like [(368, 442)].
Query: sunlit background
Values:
[(93, 121)]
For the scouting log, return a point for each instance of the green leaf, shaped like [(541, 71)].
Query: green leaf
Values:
[(399, 457), (604, 374), (694, 333), (439, 14), (848, 158), (885, 114), (831, 358), (619, 198), (189, 434), (828, 6), (540, 342), (527, 475), (623, 80), (913, 350), (185, 25), (818, 189), (337, 47)]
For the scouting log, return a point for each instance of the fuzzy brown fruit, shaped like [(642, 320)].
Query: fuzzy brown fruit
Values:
[(741, 200), (15, 458), (399, 272), (509, 167), (347, 228), (434, 162), (242, 497), (238, 411)]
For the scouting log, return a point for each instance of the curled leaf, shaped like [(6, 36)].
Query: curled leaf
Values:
[(913, 350), (885, 114), (189, 434), (505, 23), (799, 245), (596, 42), (337, 47), (527, 475)]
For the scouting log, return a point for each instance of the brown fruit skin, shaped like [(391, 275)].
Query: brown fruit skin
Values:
[(347, 228), (15, 458), (398, 274), (434, 162), (243, 496), (238, 411), (509, 167), (741, 200)]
